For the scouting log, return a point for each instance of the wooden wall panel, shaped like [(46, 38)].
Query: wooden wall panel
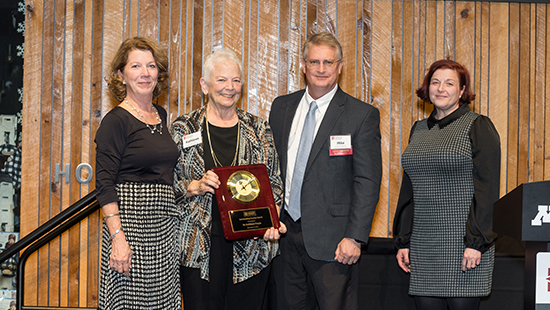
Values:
[(381, 61), (388, 45), (30, 200)]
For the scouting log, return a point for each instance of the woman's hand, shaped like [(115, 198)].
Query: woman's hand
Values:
[(403, 260), (471, 259), (275, 234), (207, 184), (121, 255)]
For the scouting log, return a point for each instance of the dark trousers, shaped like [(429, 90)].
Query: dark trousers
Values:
[(305, 283), (220, 293)]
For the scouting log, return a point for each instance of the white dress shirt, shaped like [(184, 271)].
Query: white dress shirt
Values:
[(298, 126)]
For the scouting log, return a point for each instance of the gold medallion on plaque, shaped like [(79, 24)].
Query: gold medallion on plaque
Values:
[(243, 186)]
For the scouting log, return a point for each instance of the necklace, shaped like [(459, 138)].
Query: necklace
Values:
[(216, 161), (151, 127)]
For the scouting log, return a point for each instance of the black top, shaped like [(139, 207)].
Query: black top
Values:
[(479, 226), (127, 152), (224, 140)]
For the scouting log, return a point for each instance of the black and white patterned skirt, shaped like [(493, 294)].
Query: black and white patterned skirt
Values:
[(148, 215)]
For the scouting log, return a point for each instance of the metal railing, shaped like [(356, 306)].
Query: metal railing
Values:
[(44, 234)]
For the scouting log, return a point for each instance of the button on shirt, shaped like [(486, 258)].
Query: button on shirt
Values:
[(296, 131)]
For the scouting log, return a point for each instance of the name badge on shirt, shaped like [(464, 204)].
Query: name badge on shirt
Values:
[(192, 139), (340, 145)]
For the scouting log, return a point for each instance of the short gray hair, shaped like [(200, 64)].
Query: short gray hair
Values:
[(220, 55)]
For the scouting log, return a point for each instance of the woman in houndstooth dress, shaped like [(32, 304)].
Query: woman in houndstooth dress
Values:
[(136, 157), (443, 222)]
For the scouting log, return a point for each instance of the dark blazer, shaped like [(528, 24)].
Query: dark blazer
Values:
[(339, 193)]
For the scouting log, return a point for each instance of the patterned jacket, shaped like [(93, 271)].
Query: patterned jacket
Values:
[(256, 146)]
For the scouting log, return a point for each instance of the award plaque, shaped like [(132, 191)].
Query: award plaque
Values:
[(245, 201)]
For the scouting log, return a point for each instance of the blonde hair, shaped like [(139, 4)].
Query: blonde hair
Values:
[(322, 38)]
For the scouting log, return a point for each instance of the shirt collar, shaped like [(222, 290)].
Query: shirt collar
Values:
[(324, 101), (456, 114)]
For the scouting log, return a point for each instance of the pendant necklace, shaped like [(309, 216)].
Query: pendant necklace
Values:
[(153, 128), (216, 161)]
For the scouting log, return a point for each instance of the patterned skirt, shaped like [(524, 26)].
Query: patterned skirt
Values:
[(148, 215)]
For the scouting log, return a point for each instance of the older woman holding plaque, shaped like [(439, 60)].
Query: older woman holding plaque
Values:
[(217, 273)]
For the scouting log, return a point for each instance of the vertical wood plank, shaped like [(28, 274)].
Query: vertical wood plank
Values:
[(358, 74), (532, 104), (449, 44), (102, 52), (253, 55), (497, 105), (346, 35), (425, 58), (485, 54), (296, 35), (381, 78), (311, 19), (245, 50), (79, 143), (47, 143), (404, 124), (90, 246), (418, 66), (439, 29), (133, 21), (174, 24), (201, 39), (283, 51), (208, 28), (148, 22), (30, 180), (511, 160), (69, 155), (366, 51), (267, 58), (540, 100), (464, 52), (322, 17), (331, 17), (433, 46), (218, 24), (162, 18)]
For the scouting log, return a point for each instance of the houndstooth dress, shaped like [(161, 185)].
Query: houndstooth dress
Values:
[(439, 164), (149, 216), (134, 167)]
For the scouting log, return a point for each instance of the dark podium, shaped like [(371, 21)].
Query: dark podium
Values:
[(520, 214)]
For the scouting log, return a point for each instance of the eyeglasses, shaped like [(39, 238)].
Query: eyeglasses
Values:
[(315, 63)]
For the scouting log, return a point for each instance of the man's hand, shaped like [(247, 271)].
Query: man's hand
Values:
[(348, 251)]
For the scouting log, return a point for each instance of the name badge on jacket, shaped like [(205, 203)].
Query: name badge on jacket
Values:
[(192, 139), (340, 145)]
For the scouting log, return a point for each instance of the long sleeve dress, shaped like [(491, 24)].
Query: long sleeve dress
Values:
[(450, 182)]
